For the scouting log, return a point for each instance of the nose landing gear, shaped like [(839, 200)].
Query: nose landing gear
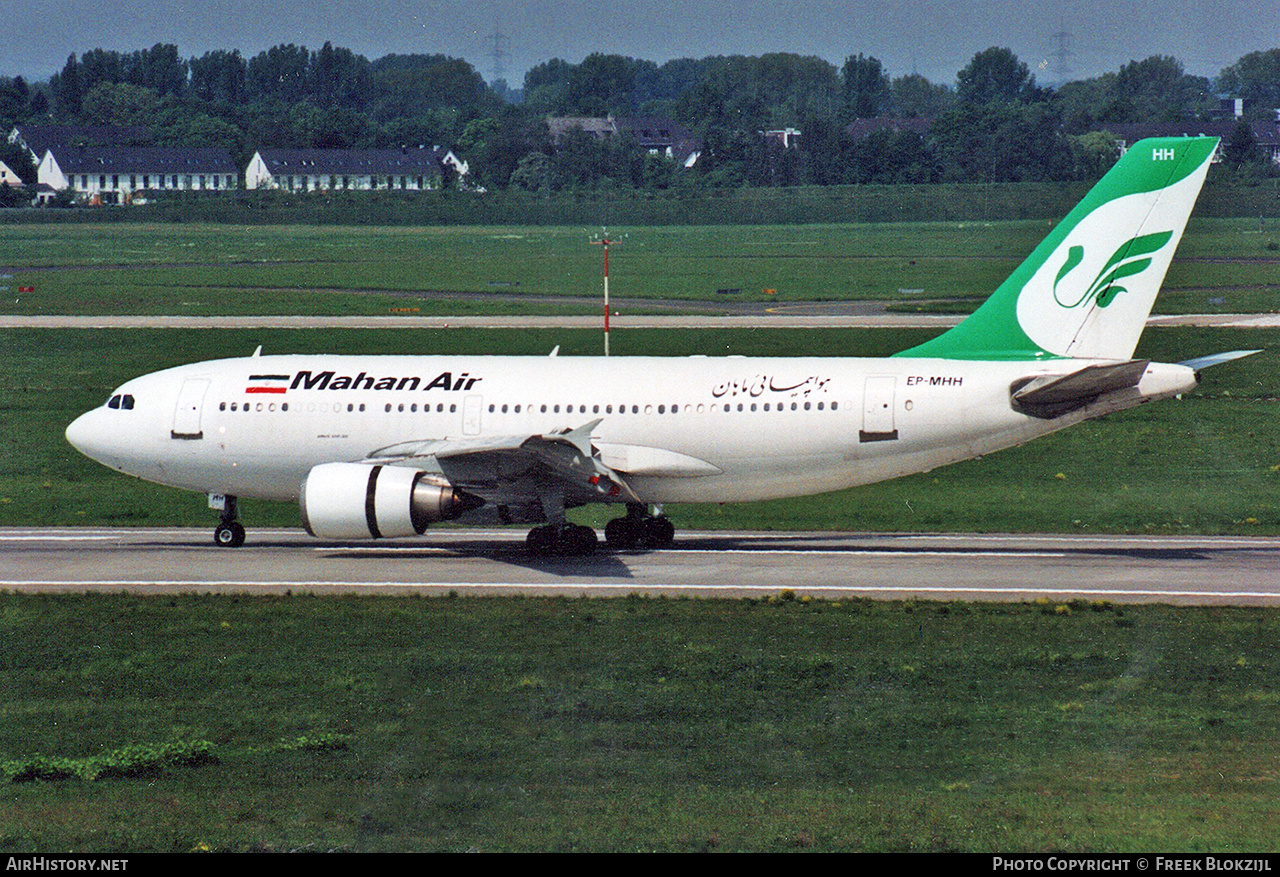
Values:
[(229, 533)]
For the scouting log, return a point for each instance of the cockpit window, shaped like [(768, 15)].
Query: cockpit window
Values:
[(124, 401)]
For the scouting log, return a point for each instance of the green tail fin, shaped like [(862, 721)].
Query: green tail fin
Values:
[(1086, 291)]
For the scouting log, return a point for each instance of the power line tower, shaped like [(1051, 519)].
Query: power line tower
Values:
[(499, 53), (1062, 55)]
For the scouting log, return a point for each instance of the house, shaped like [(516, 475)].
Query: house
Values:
[(39, 139), (118, 174), (312, 170), (8, 177), (783, 138), (655, 135)]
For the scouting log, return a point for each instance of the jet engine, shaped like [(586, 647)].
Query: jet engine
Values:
[(363, 501)]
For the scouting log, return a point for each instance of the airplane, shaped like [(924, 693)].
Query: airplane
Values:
[(383, 446)]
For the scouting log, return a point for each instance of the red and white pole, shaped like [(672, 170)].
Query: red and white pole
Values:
[(605, 243)]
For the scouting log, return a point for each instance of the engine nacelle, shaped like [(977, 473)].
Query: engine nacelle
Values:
[(365, 501)]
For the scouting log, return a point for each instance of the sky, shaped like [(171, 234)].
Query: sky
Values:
[(934, 38)]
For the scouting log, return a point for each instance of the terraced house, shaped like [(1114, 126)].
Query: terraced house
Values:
[(313, 170), (122, 174)]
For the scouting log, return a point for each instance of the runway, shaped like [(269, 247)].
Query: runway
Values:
[(1122, 569)]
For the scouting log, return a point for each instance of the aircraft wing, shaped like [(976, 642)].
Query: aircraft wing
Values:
[(516, 469)]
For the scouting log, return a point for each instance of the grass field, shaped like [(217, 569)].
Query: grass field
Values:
[(1209, 463), (1223, 265), (634, 724)]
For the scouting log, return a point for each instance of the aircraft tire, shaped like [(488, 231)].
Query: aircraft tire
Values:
[(541, 541), (577, 540), (659, 531), (621, 533), (229, 535)]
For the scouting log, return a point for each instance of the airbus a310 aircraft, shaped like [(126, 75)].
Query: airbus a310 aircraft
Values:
[(382, 446)]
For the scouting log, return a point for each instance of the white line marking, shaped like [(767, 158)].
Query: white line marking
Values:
[(85, 538), (820, 552)]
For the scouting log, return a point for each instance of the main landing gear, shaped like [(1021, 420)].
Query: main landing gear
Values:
[(566, 539), (638, 529), (229, 533)]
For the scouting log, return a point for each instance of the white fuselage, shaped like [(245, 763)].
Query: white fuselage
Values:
[(692, 429)]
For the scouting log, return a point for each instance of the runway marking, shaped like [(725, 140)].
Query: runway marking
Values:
[(819, 552), (641, 587), (8, 538)]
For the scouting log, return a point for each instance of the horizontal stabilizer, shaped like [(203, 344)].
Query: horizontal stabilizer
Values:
[(1050, 396), (1217, 358)]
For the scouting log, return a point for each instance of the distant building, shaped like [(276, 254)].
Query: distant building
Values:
[(8, 177), (313, 170), (119, 174), (655, 135), (39, 139), (787, 138)]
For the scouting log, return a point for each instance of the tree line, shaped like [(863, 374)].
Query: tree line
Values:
[(995, 123)]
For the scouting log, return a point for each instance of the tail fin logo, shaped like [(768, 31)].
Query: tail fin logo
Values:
[(1132, 258)]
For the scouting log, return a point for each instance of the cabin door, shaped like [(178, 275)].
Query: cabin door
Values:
[(877, 409), (471, 415), (186, 416)]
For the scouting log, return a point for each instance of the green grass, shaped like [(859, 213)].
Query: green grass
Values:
[(1209, 463), (211, 269), (638, 724)]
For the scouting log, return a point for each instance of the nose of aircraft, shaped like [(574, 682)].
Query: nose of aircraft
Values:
[(85, 436)]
